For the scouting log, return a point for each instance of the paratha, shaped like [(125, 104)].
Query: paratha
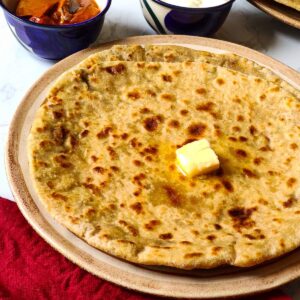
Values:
[(102, 158), (295, 4), (172, 53)]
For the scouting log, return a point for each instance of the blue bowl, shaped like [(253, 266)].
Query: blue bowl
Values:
[(54, 42), (166, 18)]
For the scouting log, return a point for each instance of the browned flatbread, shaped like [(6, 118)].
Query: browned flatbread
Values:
[(295, 4), (102, 157), (171, 53)]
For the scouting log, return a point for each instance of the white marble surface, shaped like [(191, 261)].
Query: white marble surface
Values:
[(245, 25)]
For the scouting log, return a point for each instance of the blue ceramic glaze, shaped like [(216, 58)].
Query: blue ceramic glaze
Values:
[(166, 18), (55, 42)]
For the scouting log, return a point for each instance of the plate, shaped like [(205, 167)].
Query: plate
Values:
[(279, 11), (205, 284)]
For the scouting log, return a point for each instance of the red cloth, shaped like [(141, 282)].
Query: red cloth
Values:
[(31, 269)]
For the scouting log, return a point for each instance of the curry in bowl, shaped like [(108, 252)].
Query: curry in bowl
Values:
[(57, 12)]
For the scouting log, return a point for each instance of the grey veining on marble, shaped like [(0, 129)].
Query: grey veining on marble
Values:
[(245, 25)]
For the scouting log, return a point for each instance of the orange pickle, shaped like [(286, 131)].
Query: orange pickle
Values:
[(57, 12)]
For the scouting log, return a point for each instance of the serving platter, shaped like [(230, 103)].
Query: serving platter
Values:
[(281, 12), (205, 284)]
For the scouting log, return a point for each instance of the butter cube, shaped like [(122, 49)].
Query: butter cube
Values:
[(197, 158)]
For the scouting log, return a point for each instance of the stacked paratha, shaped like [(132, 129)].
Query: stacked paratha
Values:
[(295, 4), (102, 157)]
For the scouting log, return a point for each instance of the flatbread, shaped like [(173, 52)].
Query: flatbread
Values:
[(172, 53), (295, 4), (102, 158)]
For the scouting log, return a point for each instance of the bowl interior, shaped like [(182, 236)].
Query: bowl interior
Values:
[(11, 5), (206, 5)]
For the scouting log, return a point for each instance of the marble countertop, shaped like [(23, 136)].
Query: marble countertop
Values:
[(245, 25)]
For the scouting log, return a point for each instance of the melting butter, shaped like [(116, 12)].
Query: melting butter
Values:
[(197, 158)]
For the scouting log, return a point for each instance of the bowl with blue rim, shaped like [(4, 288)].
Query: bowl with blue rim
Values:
[(54, 42), (189, 17)]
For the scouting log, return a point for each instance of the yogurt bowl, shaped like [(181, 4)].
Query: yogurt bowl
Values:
[(190, 17), (54, 41)]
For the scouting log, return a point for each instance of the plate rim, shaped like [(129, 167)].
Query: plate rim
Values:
[(273, 9), (103, 270)]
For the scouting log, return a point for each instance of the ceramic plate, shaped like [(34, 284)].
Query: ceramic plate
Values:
[(205, 284), (281, 12)]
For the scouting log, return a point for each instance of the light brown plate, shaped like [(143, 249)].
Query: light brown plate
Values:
[(281, 12), (222, 282)]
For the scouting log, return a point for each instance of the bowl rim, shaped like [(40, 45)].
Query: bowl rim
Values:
[(194, 9), (67, 26)]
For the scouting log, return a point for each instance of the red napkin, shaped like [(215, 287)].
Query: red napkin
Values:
[(31, 269)]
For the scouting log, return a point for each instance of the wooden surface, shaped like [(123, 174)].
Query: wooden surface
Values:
[(281, 12), (205, 284)]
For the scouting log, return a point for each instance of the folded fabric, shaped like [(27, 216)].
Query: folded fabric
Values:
[(31, 269)]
